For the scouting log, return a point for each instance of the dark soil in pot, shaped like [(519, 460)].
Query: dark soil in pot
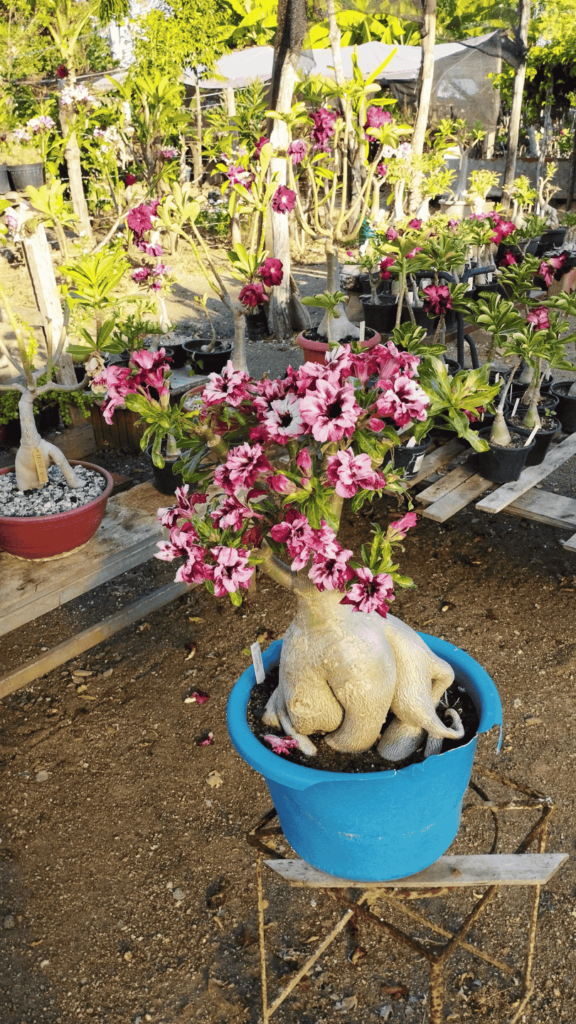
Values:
[(566, 408), (381, 317), (329, 760), (312, 335), (542, 440), (503, 464)]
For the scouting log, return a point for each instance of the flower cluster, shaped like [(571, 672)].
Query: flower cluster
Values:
[(550, 268), (270, 273), (376, 117), (168, 152), (438, 299), (297, 150), (324, 127), (318, 415), (72, 95), (145, 375)]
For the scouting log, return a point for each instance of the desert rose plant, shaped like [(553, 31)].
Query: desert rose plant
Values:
[(271, 463)]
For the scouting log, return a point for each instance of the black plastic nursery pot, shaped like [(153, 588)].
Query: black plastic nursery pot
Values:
[(23, 175), (501, 374), (566, 408), (165, 480), (257, 325), (502, 465), (542, 440), (178, 355), (410, 459), (207, 362), (551, 239), (4, 182), (381, 318)]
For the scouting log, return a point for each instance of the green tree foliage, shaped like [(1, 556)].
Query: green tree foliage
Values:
[(193, 35)]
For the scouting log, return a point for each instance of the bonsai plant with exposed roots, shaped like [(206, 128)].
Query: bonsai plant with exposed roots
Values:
[(271, 463)]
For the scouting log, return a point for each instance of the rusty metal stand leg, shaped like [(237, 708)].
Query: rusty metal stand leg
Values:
[(262, 938), (437, 991)]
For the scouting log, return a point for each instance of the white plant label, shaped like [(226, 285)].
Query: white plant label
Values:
[(256, 653)]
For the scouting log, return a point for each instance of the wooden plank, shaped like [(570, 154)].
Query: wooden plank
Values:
[(503, 496), (453, 871), (88, 638), (440, 457), (446, 484), (457, 499), (570, 544), (127, 537), (545, 507)]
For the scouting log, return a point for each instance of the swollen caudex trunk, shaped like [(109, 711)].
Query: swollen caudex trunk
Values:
[(239, 358), (35, 452), (342, 671), (423, 211)]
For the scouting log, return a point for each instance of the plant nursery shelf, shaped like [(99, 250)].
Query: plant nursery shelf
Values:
[(463, 484), (127, 537)]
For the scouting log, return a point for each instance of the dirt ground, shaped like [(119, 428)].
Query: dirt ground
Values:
[(127, 888)]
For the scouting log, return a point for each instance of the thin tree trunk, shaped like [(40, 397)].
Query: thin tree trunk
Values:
[(197, 147), (234, 219), (72, 155), (517, 94), (426, 80), (285, 307)]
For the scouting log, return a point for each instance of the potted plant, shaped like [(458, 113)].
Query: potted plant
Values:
[(45, 512), (284, 455), (315, 349), (207, 356), (24, 156)]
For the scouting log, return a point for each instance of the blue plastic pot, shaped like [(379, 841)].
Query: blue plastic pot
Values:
[(372, 826)]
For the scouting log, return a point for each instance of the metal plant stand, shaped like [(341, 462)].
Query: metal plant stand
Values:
[(448, 874)]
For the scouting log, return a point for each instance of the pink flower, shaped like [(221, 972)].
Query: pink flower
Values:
[(438, 299), (508, 261), (281, 744), (382, 170), (330, 411), (403, 402), (62, 71), (207, 741), (453, 224), (231, 570), (228, 386), (271, 272), (140, 219), (324, 121), (415, 224), (385, 265), (389, 363), (330, 571), (297, 150), (242, 468), (160, 269), (392, 235), (199, 696), (240, 176), (548, 267), (413, 253), (372, 593), (539, 318), (401, 526), (185, 507), (503, 228), (232, 514), (260, 144), (168, 152), (281, 484), (253, 295), (130, 179), (283, 420), (195, 569), (151, 248), (347, 472), (283, 200), (141, 274), (376, 117), (298, 536), (151, 367), (304, 462)]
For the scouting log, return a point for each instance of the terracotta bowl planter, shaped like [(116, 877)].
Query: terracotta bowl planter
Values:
[(315, 351), (41, 537)]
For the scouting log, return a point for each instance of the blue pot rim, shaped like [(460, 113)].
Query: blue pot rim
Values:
[(284, 772)]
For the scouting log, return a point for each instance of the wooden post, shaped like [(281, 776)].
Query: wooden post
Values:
[(517, 94), (39, 263), (197, 147), (230, 101), (428, 34)]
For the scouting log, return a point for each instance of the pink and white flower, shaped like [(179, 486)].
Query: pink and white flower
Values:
[(281, 744), (243, 466), (347, 472), (232, 514), (283, 420), (331, 572), (298, 536), (403, 402), (231, 571), (228, 386), (330, 411), (401, 526), (372, 593)]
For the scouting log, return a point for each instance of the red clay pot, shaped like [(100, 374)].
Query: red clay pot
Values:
[(315, 351), (38, 537)]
